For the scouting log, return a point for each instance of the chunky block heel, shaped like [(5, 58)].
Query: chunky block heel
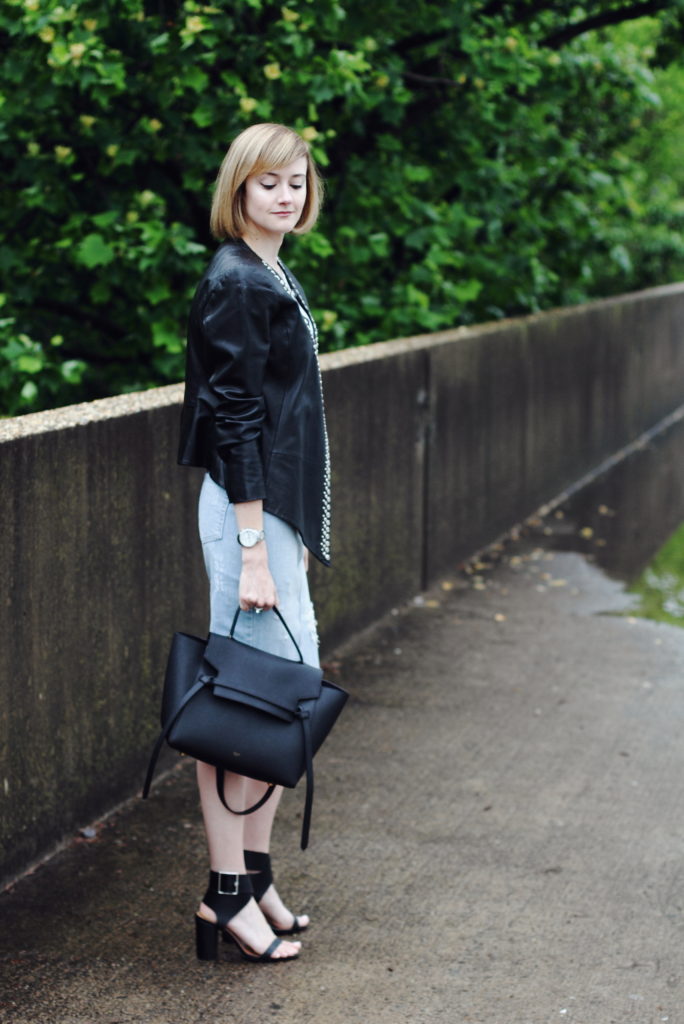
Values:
[(206, 939)]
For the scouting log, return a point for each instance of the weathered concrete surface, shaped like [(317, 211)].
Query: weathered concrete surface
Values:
[(523, 408), (100, 563), (497, 838)]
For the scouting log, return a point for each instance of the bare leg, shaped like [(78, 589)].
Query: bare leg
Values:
[(225, 838), (257, 836)]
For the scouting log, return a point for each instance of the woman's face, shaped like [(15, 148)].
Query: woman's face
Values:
[(274, 199)]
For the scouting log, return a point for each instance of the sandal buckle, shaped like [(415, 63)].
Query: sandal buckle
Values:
[(235, 883)]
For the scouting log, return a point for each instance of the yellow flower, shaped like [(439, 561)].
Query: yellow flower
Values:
[(288, 15), (77, 50), (112, 149), (33, 148), (382, 81), (194, 24), (511, 43), (272, 71), (63, 152), (154, 124), (247, 104), (87, 120), (462, 79), (146, 197), (47, 34), (479, 83), (90, 24), (132, 216), (309, 133), (328, 319)]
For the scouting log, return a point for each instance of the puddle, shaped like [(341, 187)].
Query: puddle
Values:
[(629, 521)]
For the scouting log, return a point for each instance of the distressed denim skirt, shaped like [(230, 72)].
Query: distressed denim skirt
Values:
[(223, 560)]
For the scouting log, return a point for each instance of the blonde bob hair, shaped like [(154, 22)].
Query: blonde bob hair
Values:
[(260, 148)]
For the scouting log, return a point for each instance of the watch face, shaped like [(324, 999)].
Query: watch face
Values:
[(248, 538)]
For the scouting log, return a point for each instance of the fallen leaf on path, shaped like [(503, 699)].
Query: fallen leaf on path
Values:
[(603, 510)]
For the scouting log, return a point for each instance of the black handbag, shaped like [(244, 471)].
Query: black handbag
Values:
[(246, 711)]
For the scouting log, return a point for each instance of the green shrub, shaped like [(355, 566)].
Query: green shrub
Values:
[(475, 158)]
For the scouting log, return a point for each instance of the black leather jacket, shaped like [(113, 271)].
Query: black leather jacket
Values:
[(253, 408)]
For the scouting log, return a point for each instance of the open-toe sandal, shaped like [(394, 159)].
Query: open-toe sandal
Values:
[(260, 864), (227, 895)]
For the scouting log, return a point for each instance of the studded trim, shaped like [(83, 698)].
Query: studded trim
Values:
[(326, 499)]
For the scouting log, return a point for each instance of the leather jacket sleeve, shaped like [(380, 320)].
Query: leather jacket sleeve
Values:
[(236, 336)]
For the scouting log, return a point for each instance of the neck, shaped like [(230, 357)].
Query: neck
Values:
[(265, 246)]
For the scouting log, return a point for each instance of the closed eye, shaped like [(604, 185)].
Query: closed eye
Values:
[(269, 187)]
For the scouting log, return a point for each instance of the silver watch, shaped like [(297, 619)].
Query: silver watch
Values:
[(248, 538)]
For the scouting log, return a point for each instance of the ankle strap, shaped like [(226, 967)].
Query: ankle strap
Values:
[(229, 883), (257, 861)]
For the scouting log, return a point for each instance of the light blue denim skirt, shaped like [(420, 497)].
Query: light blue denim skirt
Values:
[(223, 560)]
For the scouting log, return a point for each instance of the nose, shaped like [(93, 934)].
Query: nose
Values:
[(285, 194)]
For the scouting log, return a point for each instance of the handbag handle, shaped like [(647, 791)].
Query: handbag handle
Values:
[(287, 630)]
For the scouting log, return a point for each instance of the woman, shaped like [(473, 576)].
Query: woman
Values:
[(253, 418)]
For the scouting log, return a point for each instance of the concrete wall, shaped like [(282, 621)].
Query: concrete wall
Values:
[(439, 444)]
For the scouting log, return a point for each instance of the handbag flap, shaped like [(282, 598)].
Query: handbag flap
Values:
[(259, 678)]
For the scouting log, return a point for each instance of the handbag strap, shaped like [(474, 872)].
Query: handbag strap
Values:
[(287, 630), (168, 725), (305, 719), (220, 775)]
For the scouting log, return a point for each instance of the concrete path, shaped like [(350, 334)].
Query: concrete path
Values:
[(498, 837)]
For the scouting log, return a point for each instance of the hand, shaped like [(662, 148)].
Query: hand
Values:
[(256, 588)]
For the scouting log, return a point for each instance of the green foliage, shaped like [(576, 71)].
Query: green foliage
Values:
[(660, 588), (477, 158)]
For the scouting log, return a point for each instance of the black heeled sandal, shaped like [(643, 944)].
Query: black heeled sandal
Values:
[(261, 880), (227, 895)]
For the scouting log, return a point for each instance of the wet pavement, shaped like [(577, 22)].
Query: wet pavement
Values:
[(497, 835)]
